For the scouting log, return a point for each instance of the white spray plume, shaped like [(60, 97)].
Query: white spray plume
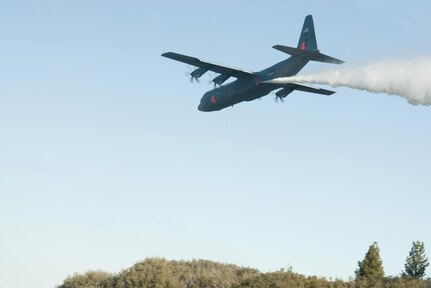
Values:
[(408, 78)]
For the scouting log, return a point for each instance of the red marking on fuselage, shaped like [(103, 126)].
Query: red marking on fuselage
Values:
[(303, 45), (213, 101), (258, 80)]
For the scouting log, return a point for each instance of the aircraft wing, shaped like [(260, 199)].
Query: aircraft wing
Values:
[(308, 88), (289, 86), (205, 66)]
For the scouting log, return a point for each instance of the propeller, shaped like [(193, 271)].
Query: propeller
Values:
[(193, 79), (190, 74), (277, 98), (211, 76), (211, 82), (282, 93)]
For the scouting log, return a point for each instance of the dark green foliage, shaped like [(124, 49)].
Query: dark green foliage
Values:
[(158, 273), (371, 268), (416, 262)]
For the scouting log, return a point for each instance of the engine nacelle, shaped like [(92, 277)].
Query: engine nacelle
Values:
[(198, 72), (284, 92), (220, 79)]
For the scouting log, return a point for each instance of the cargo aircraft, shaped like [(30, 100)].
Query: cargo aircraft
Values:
[(249, 85)]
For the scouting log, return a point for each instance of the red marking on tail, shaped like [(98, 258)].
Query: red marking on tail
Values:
[(303, 45), (213, 101)]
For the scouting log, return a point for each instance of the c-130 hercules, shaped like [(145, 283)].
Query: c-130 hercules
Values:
[(252, 85)]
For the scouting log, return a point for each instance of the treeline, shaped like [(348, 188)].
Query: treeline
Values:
[(161, 273)]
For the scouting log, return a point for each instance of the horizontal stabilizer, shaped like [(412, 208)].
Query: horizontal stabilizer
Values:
[(313, 55)]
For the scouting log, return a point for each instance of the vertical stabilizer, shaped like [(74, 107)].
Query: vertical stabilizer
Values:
[(307, 40)]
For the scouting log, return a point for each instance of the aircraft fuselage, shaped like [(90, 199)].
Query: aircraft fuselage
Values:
[(248, 89)]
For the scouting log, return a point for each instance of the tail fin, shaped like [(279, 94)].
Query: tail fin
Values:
[(307, 40), (307, 45)]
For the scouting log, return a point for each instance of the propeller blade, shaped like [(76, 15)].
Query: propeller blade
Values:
[(193, 79), (190, 74), (277, 98)]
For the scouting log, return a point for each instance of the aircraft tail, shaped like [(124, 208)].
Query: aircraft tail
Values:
[(307, 40), (307, 45)]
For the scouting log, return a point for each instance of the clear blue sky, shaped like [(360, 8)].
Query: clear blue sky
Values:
[(105, 159)]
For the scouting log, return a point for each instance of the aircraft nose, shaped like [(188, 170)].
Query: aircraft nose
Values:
[(202, 106)]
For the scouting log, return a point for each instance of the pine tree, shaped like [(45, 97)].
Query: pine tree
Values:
[(371, 268), (416, 262)]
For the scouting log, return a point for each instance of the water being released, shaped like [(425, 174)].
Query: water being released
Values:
[(408, 78)]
